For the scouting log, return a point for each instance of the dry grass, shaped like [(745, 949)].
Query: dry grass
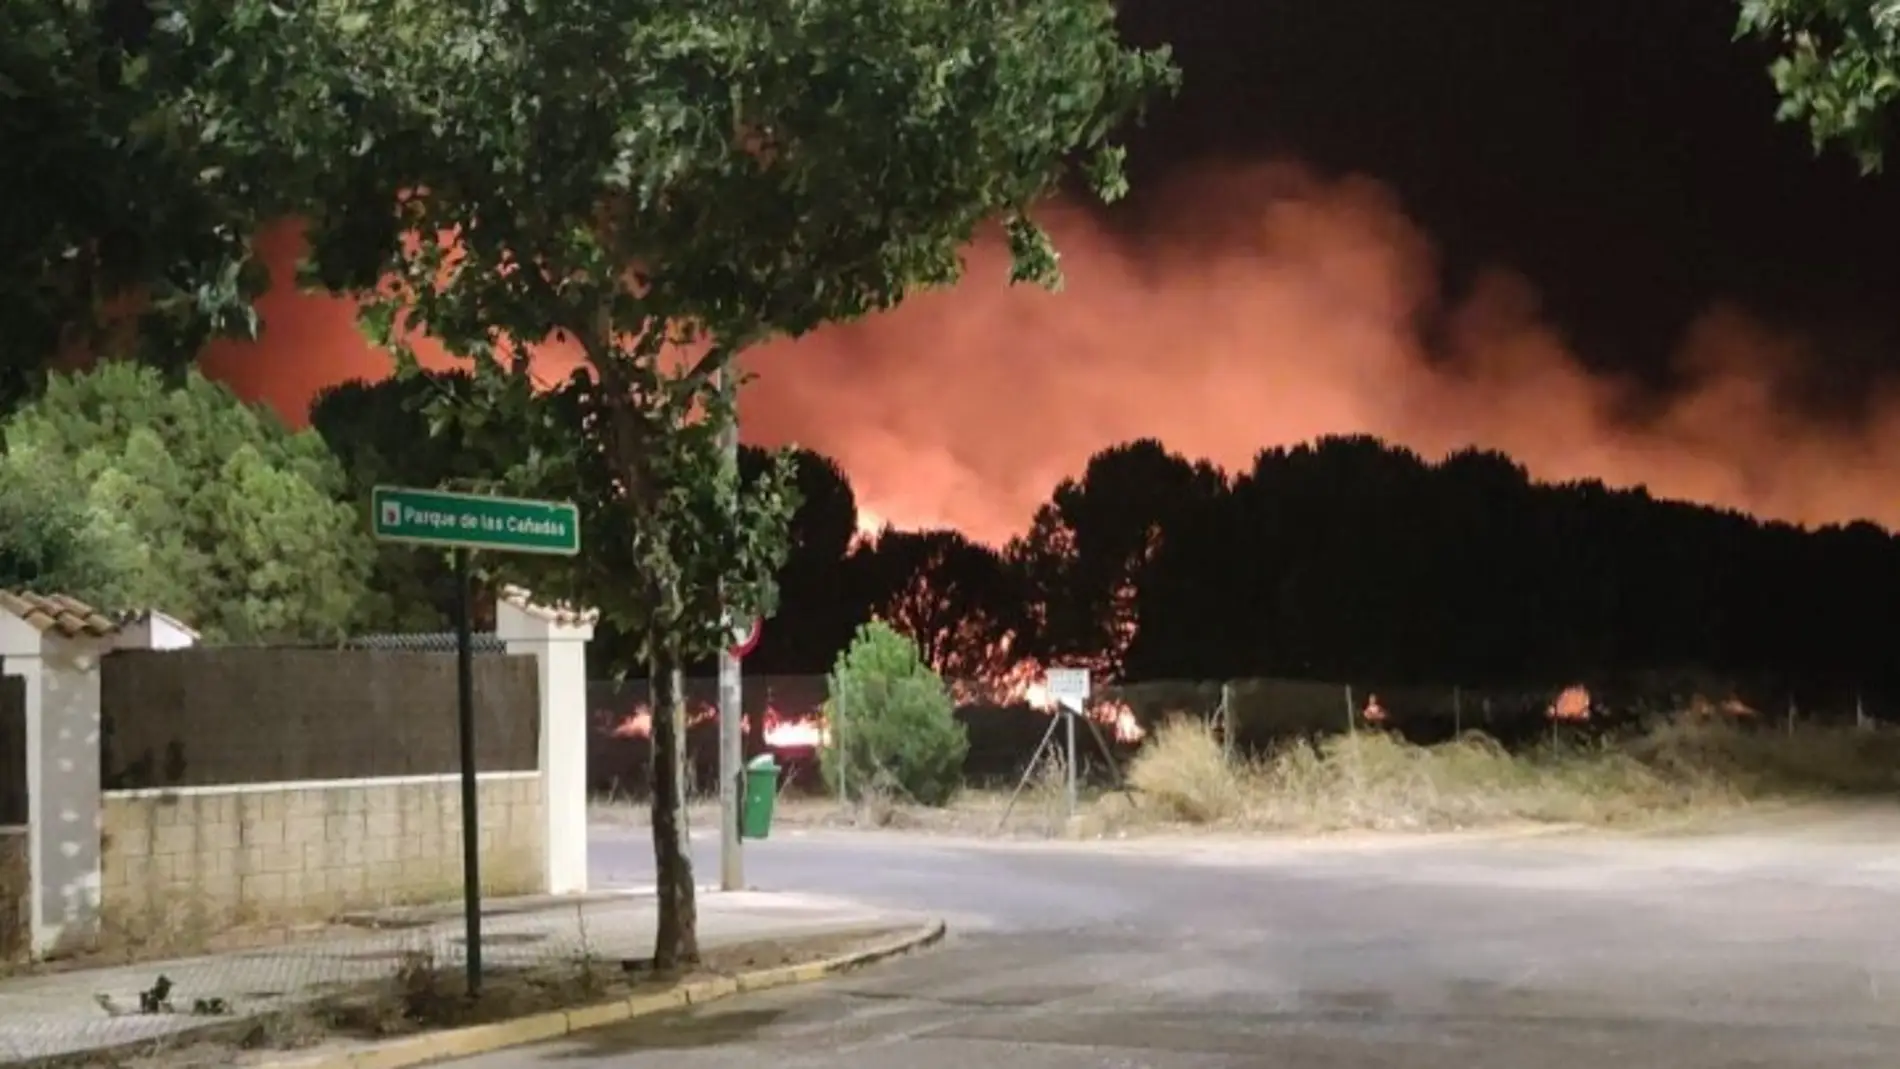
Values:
[(1686, 767), (1184, 775), (1374, 780)]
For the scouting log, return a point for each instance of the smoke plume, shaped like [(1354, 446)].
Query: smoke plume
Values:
[(1274, 307)]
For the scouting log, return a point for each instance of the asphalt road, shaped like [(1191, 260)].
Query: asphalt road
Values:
[(1771, 948)]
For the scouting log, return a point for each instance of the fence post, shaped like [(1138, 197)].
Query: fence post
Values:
[(1227, 742), (837, 741), (56, 652), (1457, 711), (1352, 724)]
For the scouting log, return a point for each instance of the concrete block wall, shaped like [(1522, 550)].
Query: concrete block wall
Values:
[(181, 859)]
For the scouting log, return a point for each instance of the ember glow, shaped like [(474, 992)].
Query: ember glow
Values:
[(1116, 716), (789, 733), (795, 734), (1572, 705), (782, 732)]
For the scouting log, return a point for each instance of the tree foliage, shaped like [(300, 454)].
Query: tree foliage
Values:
[(51, 541), (126, 202), (381, 435), (208, 508), (1837, 67), (664, 184), (1088, 551), (894, 726), (952, 597)]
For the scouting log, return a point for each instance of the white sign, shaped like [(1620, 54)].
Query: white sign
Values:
[(1069, 687)]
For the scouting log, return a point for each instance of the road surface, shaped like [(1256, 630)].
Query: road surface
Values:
[(1760, 949)]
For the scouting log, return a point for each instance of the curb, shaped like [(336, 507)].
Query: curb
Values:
[(540, 1027)]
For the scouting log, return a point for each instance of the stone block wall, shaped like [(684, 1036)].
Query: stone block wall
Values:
[(196, 858)]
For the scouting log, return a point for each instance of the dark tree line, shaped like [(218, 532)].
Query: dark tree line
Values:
[(1344, 559)]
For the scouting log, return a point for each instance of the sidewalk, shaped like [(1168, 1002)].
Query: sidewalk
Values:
[(67, 1013)]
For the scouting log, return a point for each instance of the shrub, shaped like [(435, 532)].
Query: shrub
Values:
[(893, 723), (1182, 770)]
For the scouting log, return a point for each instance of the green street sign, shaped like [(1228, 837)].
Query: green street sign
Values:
[(475, 521)]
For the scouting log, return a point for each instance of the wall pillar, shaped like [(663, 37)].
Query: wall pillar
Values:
[(61, 674), (557, 639)]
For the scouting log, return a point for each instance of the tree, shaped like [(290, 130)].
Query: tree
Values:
[(952, 597), (813, 590), (380, 433), (1088, 552), (225, 518), (1837, 68), (894, 726), (665, 185), (126, 212), (51, 542)]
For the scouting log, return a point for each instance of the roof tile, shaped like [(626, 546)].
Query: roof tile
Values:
[(58, 613)]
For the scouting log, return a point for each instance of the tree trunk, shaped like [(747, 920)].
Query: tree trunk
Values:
[(676, 939)]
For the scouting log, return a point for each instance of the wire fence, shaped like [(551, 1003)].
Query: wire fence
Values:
[(787, 715)]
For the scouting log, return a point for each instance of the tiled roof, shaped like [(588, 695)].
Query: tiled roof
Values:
[(558, 613), (58, 613)]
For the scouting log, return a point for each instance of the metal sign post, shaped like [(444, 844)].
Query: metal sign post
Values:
[(743, 638), (465, 522), (1069, 688)]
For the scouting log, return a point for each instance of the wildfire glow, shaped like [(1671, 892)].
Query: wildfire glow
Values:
[(870, 525), (1114, 715), (795, 733), (1571, 704), (782, 732), (789, 732)]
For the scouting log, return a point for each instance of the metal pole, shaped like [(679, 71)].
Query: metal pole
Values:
[(471, 822), (1071, 714), (1229, 745), (837, 742), (731, 701)]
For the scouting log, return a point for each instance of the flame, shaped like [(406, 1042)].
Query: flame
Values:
[(782, 731), (1572, 704), (1374, 712), (795, 733), (1115, 715)]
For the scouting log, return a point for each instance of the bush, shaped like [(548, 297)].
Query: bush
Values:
[(893, 723), (1182, 769)]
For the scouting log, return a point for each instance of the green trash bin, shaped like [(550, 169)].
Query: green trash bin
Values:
[(761, 794)]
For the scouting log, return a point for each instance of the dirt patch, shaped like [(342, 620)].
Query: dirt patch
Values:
[(421, 997)]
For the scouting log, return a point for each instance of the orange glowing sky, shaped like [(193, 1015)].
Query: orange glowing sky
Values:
[(1280, 306)]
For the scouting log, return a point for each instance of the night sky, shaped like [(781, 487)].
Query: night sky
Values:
[(1623, 154)]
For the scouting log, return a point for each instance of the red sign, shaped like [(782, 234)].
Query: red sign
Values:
[(745, 637)]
